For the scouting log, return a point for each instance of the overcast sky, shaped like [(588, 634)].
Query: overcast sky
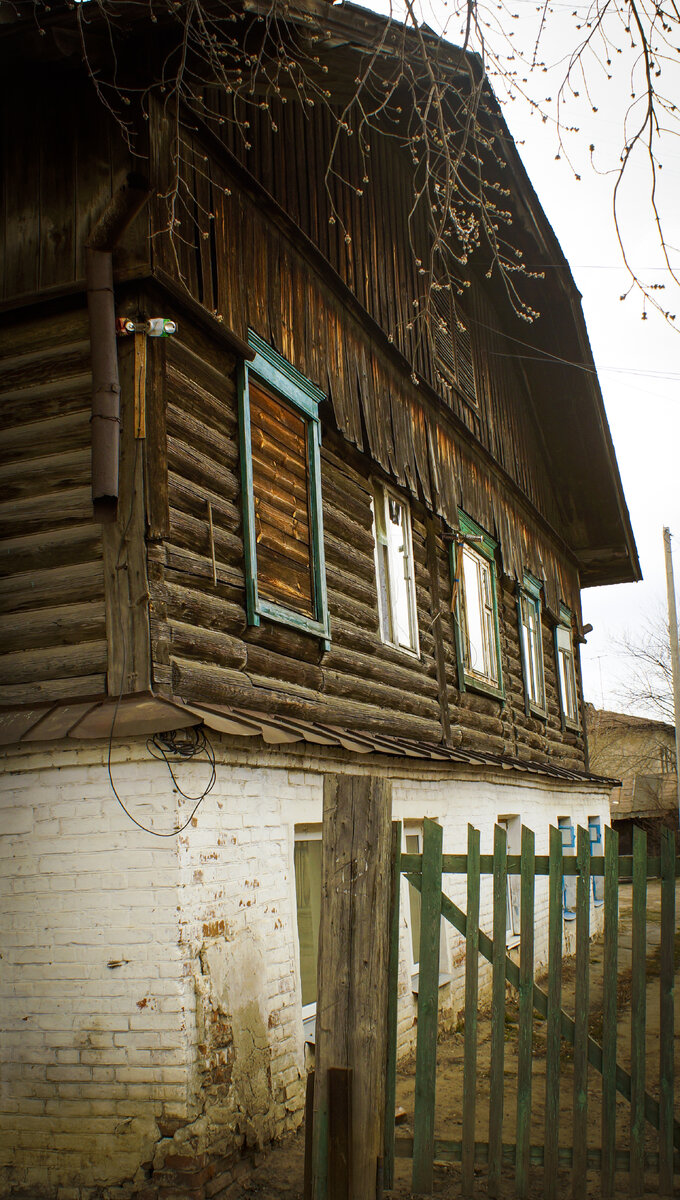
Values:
[(638, 359)]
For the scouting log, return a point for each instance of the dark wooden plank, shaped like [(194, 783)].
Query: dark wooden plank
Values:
[(392, 1009), (428, 1008), (526, 1012), (340, 1133), (496, 1077), (471, 1000), (638, 1013), (354, 938), (609, 1007), (666, 1014), (581, 1006), (124, 557), (156, 444), (56, 151), (309, 1125), (22, 194)]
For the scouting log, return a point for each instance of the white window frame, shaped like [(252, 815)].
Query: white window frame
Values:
[(475, 550), (566, 670), (512, 824), (531, 645), (304, 833), (386, 568), (415, 829)]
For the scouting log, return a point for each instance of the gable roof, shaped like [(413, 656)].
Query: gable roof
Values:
[(555, 352)]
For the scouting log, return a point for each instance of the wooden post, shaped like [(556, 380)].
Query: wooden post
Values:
[(352, 992)]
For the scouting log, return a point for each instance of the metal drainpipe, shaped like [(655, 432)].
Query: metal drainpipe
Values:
[(121, 210)]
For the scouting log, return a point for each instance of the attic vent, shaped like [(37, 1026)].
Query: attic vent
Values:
[(453, 346)]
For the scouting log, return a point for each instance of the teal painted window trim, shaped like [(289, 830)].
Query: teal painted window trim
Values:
[(485, 546), (566, 671), (302, 395), (529, 593)]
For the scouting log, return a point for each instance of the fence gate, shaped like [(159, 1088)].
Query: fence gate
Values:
[(650, 1144)]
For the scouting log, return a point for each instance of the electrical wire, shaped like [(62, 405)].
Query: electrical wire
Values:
[(171, 745)]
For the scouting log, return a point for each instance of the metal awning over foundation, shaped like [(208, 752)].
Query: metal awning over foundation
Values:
[(147, 714)]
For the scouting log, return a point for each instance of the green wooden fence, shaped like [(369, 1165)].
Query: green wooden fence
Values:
[(638, 1160)]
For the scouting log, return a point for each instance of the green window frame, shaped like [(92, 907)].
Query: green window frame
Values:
[(566, 670), (531, 644), (475, 552), (298, 393)]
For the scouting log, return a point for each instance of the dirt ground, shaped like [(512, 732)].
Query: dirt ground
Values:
[(280, 1175)]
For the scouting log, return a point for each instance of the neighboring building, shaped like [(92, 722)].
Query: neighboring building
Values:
[(329, 551), (641, 753)]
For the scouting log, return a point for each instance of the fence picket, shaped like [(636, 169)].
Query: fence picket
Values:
[(554, 1015), (391, 1067), (526, 1012), (500, 842), (471, 997), (666, 1027), (638, 1014), (581, 1003), (609, 1007), (428, 1003)]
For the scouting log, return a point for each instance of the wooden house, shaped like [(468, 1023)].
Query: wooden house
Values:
[(289, 537)]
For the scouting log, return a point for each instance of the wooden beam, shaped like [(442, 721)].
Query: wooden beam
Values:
[(354, 936)]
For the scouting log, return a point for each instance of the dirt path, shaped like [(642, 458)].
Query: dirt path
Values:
[(279, 1176)]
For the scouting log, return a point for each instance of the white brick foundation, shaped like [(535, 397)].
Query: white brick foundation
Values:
[(149, 986)]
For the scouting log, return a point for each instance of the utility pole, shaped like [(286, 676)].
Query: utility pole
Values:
[(675, 652)]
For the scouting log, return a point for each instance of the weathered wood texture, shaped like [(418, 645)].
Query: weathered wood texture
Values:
[(267, 279), (59, 165), (203, 649), (354, 936), (52, 635)]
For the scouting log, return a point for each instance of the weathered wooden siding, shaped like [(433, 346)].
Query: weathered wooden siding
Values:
[(368, 246), (203, 650), (267, 282), (61, 158), (52, 632)]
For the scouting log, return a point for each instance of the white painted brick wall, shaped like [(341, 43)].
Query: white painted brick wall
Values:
[(136, 969)]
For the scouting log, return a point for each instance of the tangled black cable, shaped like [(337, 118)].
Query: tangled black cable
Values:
[(177, 745)]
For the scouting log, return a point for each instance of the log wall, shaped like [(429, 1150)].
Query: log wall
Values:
[(203, 650), (52, 632), (250, 266)]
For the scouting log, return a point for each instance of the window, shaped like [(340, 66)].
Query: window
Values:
[(596, 850), (513, 829), (281, 488), (568, 881), (476, 608), (394, 569), (413, 844), (453, 346), (566, 673), (307, 859), (531, 643)]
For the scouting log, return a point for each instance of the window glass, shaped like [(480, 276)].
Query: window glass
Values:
[(532, 649), (307, 856), (566, 673), (478, 617), (394, 570)]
